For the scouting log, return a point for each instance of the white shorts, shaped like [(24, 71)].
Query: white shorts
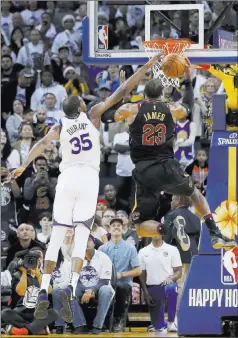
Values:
[(76, 196)]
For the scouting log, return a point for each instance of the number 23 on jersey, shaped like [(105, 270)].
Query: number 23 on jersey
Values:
[(81, 144), (153, 135)]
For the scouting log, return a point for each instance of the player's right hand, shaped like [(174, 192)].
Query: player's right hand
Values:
[(17, 172)]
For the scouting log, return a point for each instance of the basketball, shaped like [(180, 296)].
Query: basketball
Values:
[(173, 65)]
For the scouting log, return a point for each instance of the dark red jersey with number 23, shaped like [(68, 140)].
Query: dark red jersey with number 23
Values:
[(151, 133)]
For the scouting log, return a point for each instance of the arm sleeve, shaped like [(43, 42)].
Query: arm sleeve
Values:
[(190, 141), (188, 95), (134, 260), (176, 259)]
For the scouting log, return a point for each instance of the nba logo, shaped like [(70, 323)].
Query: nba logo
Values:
[(102, 37), (229, 266)]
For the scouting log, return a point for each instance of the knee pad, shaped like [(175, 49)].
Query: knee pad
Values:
[(81, 235), (56, 241)]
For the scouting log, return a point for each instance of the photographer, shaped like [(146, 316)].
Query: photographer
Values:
[(25, 288), (39, 190)]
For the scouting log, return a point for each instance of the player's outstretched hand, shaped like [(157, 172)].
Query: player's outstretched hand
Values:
[(17, 172), (188, 67), (122, 77)]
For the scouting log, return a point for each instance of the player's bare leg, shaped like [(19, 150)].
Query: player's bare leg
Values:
[(217, 239), (152, 229)]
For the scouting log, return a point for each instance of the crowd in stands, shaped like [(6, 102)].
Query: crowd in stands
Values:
[(41, 65)]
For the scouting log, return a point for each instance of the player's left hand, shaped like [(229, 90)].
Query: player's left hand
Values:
[(17, 172), (86, 297), (167, 281)]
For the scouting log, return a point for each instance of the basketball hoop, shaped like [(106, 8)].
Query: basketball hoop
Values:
[(177, 46)]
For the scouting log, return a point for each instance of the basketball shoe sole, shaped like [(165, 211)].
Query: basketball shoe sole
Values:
[(181, 236)]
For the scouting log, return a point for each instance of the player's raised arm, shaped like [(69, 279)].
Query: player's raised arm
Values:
[(124, 89), (38, 148)]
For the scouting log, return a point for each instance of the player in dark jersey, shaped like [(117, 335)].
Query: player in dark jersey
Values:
[(151, 128)]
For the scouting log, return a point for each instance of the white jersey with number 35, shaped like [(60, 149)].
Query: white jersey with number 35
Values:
[(80, 143)]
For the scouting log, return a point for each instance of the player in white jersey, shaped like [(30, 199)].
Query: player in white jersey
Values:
[(78, 183)]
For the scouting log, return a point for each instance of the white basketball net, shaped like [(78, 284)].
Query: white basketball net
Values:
[(178, 48)]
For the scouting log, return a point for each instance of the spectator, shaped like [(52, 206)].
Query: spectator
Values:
[(7, 69), (194, 22), (75, 83), (54, 115), (107, 216), (40, 127), (60, 10), (32, 15), (48, 86), (102, 205), (113, 77), (69, 37), (9, 158), (64, 52), (45, 220), (6, 50), (98, 231), (124, 163), (161, 268), (114, 203), (124, 257), (25, 288), (47, 28), (26, 140), (17, 39), (14, 121), (28, 116), (35, 47), (6, 17), (51, 154), (17, 21), (199, 170), (192, 225), (25, 233), (22, 89), (39, 190), (210, 88), (81, 12), (104, 91), (129, 234), (185, 132), (10, 195), (94, 282)]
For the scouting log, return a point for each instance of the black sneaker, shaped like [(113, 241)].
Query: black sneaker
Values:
[(60, 330), (219, 241), (119, 326), (181, 236), (41, 310), (66, 295), (96, 330), (81, 330)]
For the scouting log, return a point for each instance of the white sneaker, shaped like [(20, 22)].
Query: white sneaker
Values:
[(163, 330), (172, 327)]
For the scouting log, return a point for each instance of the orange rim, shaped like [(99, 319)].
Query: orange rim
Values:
[(169, 42)]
